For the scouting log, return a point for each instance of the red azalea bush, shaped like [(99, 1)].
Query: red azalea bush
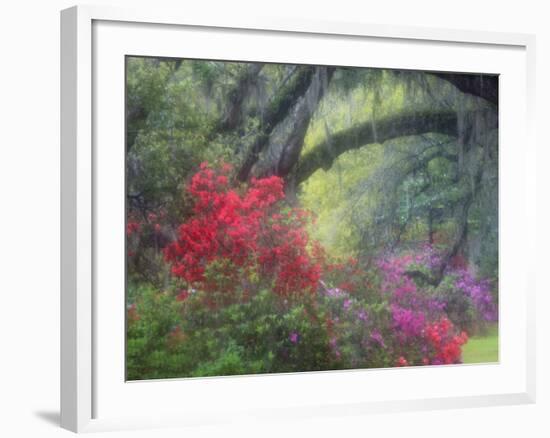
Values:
[(444, 344), (242, 234)]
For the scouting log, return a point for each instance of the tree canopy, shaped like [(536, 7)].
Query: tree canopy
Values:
[(383, 157)]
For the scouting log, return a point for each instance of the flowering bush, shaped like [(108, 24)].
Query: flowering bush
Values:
[(467, 301), (444, 345), (404, 323), (234, 236), (250, 293), (478, 292), (399, 325)]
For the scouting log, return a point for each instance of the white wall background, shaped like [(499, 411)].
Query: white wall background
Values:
[(29, 216)]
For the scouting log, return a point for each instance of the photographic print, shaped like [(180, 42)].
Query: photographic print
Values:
[(291, 218)]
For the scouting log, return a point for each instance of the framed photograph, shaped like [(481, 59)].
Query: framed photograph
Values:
[(264, 217)]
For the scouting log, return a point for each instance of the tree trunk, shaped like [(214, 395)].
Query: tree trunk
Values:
[(287, 139), (278, 109)]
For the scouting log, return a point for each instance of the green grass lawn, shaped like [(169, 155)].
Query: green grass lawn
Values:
[(482, 349)]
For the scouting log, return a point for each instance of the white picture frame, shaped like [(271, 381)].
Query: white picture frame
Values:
[(83, 370)]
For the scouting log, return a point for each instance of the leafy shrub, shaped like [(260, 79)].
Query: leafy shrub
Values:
[(152, 318)]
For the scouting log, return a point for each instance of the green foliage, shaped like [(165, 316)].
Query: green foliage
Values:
[(172, 109), (152, 317), (190, 338)]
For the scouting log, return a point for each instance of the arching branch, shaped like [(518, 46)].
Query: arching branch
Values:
[(442, 122)]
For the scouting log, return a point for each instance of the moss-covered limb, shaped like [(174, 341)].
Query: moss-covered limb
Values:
[(279, 107), (304, 112), (287, 96), (480, 85), (401, 125)]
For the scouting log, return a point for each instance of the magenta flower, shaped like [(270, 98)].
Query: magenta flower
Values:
[(293, 337), (347, 304), (408, 323), (479, 292), (377, 337)]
